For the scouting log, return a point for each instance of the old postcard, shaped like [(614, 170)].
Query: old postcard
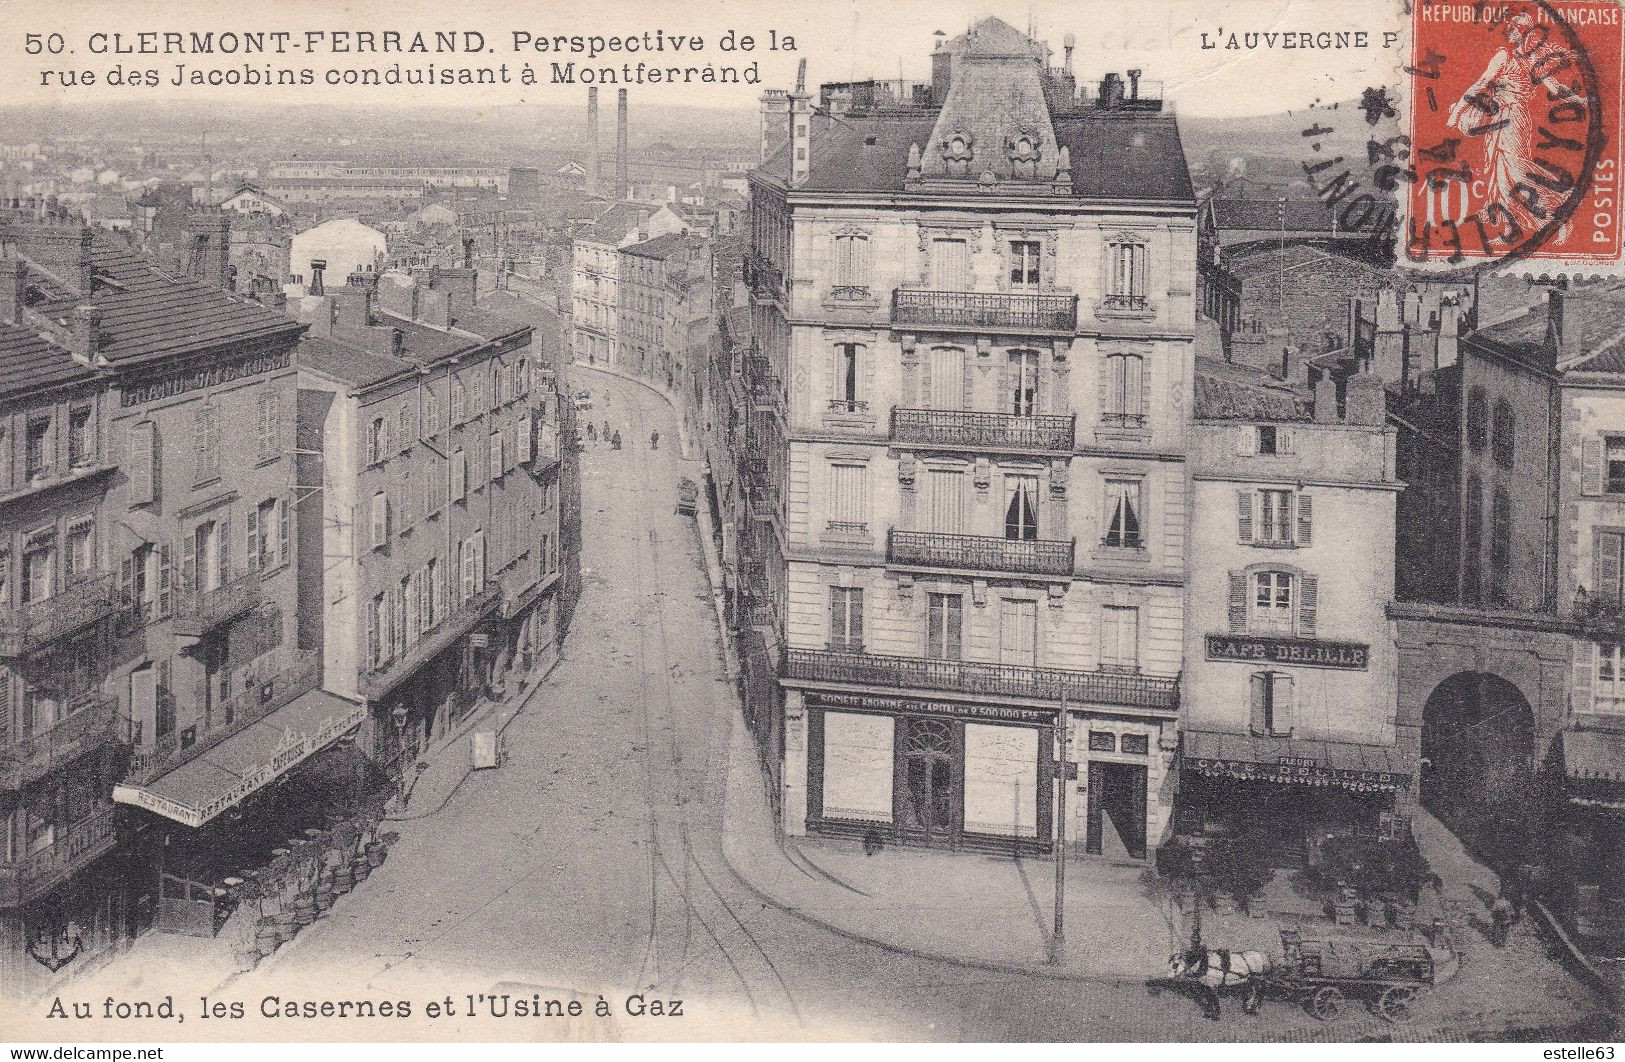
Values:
[(756, 521)]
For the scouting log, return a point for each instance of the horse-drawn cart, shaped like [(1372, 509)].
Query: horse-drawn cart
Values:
[(1324, 975)]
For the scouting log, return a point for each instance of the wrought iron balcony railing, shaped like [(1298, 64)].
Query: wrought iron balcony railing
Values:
[(388, 674), (262, 697), (1050, 433), (1126, 302), (998, 680), (33, 875), (956, 311), (33, 625), (199, 611), (980, 552), (90, 723)]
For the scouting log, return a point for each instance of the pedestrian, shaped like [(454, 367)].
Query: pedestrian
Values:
[(606, 428), (617, 442), (592, 433), (654, 440), (1430, 908), (1500, 921)]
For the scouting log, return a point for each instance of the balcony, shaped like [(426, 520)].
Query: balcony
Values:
[(997, 680), (1037, 313), (761, 276), (34, 875), (261, 697), (32, 626), (379, 680), (91, 722), (197, 612), (980, 553), (1048, 433)]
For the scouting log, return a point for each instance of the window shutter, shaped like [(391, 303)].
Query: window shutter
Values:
[(188, 562), (143, 455), (1606, 563), (1246, 440), (372, 634), (837, 618), (165, 597), (283, 540), (1259, 690), (126, 581), (1142, 382), (1244, 515), (479, 561), (1308, 593), (1591, 473), (1238, 602), (1280, 704), (225, 550), (1306, 519), (1585, 673), (1108, 394), (459, 475), (380, 519), (1283, 441), (253, 539)]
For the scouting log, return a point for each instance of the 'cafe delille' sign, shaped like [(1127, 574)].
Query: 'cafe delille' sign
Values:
[(1303, 652)]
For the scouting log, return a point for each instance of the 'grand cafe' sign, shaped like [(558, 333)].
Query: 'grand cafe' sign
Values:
[(1303, 652)]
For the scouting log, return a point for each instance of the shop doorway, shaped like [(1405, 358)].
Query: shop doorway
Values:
[(1117, 794), (930, 792)]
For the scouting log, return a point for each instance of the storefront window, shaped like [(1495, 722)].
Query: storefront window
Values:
[(1610, 692)]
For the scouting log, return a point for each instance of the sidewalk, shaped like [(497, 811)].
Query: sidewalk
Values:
[(974, 910)]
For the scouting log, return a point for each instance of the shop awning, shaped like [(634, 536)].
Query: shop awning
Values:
[(1594, 760), (1291, 761), (196, 791)]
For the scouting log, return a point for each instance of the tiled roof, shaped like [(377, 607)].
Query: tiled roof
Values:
[(1251, 259), (1301, 215), (1600, 312), (661, 247), (486, 324), (147, 313), (29, 361), (348, 363), (1225, 391), (1115, 154)]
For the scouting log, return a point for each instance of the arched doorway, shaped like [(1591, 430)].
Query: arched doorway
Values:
[(1478, 743)]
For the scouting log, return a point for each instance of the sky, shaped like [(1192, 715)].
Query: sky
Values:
[(840, 39)]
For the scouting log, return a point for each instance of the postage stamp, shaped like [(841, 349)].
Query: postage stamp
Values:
[(1514, 113)]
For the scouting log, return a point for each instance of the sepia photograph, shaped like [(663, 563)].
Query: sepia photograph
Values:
[(749, 522)]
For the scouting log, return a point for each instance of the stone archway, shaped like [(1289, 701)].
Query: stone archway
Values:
[(1479, 741)]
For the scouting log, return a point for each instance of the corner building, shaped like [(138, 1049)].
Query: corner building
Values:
[(975, 305)]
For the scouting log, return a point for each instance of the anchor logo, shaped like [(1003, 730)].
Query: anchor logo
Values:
[(56, 944)]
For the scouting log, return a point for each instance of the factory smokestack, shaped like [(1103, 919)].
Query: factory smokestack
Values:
[(592, 141), (622, 187)]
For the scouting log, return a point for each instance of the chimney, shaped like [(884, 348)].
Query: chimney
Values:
[(643, 225), (621, 183), (1365, 402), (593, 160), (353, 305), (1564, 331), (1068, 43), (87, 275), (13, 281), (800, 128), (1133, 84), (317, 312), (1449, 331), (317, 266), (434, 308), (1387, 310), (84, 339), (775, 119), (1326, 400), (468, 252)]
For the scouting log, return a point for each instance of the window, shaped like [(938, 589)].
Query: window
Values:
[(851, 266), (407, 432), (79, 558), (1272, 603), (434, 592), (81, 441), (431, 416), (1274, 517), (943, 625), (496, 455), (846, 619), (849, 497), (1502, 437), (1102, 741), (459, 400), (1609, 696), (459, 475), (1120, 638), (1023, 382), (945, 500), (376, 441), (1136, 744), (1472, 542), (1024, 263), (1477, 414), (1500, 548), (206, 444), (1127, 274), (950, 265), (1018, 632), (378, 613), (36, 454), (1272, 704), (143, 463), (39, 564), (947, 368), (268, 444), (1122, 391), (380, 520), (1266, 439), (482, 402), (1123, 514), (844, 377), (1021, 507)]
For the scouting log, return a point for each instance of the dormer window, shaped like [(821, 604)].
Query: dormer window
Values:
[(957, 151)]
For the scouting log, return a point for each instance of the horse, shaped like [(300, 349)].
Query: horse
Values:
[(1206, 974)]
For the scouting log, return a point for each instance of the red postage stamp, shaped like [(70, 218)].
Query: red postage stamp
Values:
[(1515, 123)]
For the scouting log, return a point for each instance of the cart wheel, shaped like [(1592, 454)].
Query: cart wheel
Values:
[(1395, 1003), (1327, 1002)]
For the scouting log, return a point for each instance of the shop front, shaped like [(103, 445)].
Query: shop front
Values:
[(1594, 765), (1297, 793), (930, 772)]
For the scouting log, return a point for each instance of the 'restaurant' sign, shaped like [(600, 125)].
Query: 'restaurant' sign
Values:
[(1298, 770), (1303, 652)]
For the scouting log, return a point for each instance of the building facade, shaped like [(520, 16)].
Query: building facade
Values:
[(975, 381)]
